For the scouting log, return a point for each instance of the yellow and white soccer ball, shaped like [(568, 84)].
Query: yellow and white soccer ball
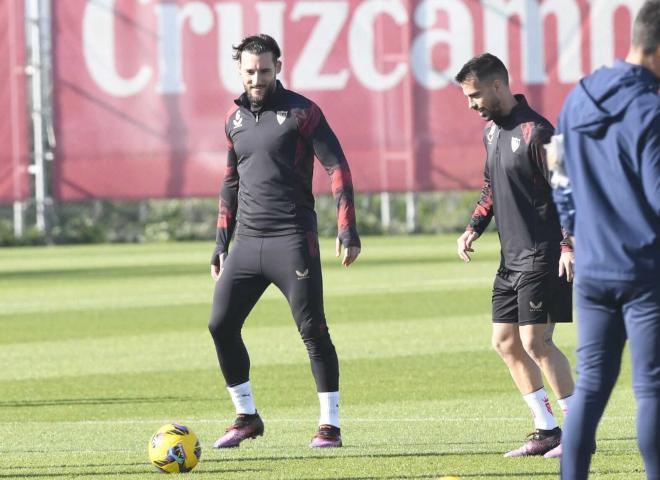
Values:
[(174, 449)]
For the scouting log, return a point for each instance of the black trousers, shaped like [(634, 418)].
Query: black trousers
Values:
[(293, 264)]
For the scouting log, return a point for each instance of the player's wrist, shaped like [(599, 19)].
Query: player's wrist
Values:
[(349, 238), (219, 251)]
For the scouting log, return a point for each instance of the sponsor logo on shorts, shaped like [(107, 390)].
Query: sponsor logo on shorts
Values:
[(535, 307), (302, 275)]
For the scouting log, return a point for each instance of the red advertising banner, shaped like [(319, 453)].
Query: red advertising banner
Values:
[(14, 179), (142, 86)]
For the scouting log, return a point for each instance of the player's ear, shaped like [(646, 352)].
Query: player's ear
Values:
[(278, 67), (655, 61)]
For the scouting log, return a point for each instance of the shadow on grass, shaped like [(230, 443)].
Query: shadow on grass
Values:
[(142, 271), (106, 272), (214, 466), (341, 455), (439, 475), (69, 466), (121, 472), (93, 401)]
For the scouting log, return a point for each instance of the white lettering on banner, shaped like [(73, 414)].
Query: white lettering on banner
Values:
[(310, 71), (459, 36), (99, 51), (306, 73), (602, 28), (532, 16), (362, 48), (230, 25), (172, 19), (496, 19), (569, 38), (230, 28), (271, 21)]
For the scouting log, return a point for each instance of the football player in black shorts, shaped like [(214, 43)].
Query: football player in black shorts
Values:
[(531, 291), (266, 203)]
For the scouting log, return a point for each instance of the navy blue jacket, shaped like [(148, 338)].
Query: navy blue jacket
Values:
[(610, 125)]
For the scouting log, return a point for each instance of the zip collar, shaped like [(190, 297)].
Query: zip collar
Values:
[(514, 114)]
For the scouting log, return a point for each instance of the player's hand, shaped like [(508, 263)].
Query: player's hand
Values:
[(465, 244), (350, 253), (566, 262), (216, 270)]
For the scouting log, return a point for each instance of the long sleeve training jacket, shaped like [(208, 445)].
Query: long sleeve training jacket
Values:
[(267, 187), (516, 191)]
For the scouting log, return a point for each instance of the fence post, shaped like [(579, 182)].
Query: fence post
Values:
[(385, 217), (411, 212), (37, 167)]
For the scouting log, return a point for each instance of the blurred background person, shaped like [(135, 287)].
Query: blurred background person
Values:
[(607, 179)]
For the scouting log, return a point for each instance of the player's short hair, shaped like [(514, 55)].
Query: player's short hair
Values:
[(646, 27), (257, 44), (485, 68)]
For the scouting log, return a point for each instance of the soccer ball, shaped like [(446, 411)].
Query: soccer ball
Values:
[(174, 449)]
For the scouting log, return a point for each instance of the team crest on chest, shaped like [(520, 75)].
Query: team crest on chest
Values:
[(238, 119), (281, 116), (515, 143)]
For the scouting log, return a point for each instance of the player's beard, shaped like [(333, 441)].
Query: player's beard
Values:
[(493, 111), (257, 102)]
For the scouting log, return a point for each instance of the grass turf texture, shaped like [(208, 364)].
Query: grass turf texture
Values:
[(101, 345)]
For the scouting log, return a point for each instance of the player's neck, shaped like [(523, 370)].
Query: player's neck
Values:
[(509, 102), (651, 62)]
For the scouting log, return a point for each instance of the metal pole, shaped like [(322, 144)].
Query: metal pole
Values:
[(411, 212), (37, 167), (18, 219), (15, 107), (385, 219)]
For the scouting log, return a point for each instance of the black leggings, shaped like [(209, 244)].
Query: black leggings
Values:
[(293, 264)]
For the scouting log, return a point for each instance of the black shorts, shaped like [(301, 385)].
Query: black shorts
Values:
[(529, 298)]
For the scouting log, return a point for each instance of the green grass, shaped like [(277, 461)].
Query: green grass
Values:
[(101, 345)]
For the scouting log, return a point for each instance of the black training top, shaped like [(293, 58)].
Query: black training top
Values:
[(267, 187), (517, 191)]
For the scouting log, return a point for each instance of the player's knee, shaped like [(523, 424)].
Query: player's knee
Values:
[(647, 389), (214, 328), (319, 348), (504, 345), (598, 377), (317, 340), (536, 347), (220, 328)]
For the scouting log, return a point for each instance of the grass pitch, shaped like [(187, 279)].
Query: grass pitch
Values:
[(101, 345)]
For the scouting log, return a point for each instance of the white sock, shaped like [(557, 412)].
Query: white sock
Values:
[(241, 395), (329, 408), (564, 404), (541, 410)]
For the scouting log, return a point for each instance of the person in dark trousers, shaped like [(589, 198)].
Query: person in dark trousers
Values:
[(606, 162), (266, 201), (531, 291)]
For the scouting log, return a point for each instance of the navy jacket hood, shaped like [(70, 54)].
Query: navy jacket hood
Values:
[(608, 93)]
